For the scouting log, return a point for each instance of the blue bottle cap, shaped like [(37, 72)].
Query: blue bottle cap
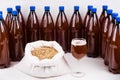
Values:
[(105, 7), (94, 10), (109, 11), (47, 8), (76, 8), (61, 8), (32, 8), (1, 17), (114, 15), (9, 10), (90, 7), (1, 12), (14, 13), (18, 7), (118, 19)]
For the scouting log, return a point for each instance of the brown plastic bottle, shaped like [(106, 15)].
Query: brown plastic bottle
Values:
[(86, 19), (62, 29), (16, 38), (22, 22), (103, 14), (4, 45), (104, 31), (108, 37), (47, 25), (101, 19), (6, 28), (75, 28), (8, 18), (114, 60), (32, 27), (93, 35)]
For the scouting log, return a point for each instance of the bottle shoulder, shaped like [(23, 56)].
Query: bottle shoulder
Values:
[(76, 20), (62, 18), (47, 22), (32, 19), (93, 24), (116, 34)]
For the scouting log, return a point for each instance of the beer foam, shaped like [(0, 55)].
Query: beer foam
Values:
[(78, 42)]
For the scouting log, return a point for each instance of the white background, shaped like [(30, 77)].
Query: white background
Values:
[(54, 4)]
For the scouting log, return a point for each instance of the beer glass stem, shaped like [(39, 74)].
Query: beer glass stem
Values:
[(75, 71)]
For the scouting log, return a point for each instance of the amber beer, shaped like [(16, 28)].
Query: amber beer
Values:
[(78, 47)]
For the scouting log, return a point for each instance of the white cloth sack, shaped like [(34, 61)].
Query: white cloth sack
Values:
[(43, 68)]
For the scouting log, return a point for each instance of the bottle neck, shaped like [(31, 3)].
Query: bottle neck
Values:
[(109, 16), (14, 17), (89, 12), (114, 20), (61, 11), (47, 11), (118, 24), (18, 10), (32, 10), (89, 9), (104, 10), (76, 10), (93, 13), (10, 12)]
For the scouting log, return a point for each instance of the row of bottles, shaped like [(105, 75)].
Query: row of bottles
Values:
[(47, 30), (110, 39), (103, 36), (12, 37)]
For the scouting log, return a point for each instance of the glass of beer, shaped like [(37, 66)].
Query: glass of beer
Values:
[(78, 47), (78, 51)]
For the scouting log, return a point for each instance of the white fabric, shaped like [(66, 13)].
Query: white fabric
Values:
[(43, 68)]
